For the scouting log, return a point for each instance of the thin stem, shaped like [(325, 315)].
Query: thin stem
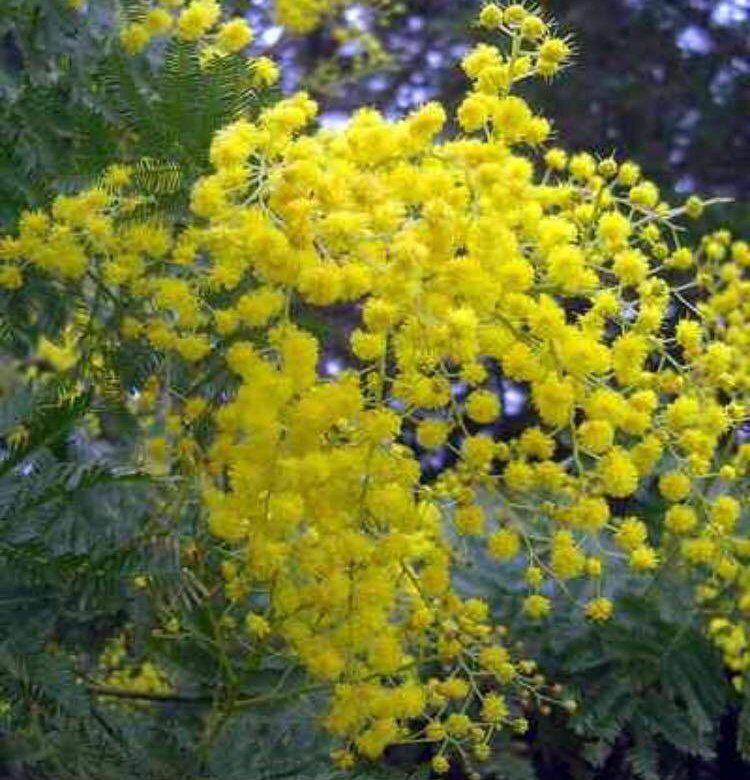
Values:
[(124, 693)]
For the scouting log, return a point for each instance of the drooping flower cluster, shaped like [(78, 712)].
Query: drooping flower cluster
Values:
[(467, 259), (200, 20)]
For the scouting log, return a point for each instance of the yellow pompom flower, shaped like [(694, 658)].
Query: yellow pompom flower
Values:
[(596, 436), (483, 407), (631, 534), (554, 399), (470, 520), (643, 558), (567, 559), (158, 21), (504, 545), (135, 37), (618, 474), (680, 519), (197, 19), (537, 606), (599, 610), (491, 16), (234, 36), (265, 72), (674, 486), (257, 625), (613, 230), (10, 277), (432, 434), (494, 708), (725, 512)]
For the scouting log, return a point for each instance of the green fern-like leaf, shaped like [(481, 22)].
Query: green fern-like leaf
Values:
[(50, 422), (650, 683), (157, 177), (643, 757)]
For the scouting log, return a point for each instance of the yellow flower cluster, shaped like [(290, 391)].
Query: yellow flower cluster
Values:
[(196, 21), (633, 351), (197, 17), (116, 670)]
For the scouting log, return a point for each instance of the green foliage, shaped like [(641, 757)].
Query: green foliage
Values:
[(651, 687), (173, 113), (282, 743), (62, 571), (509, 763), (48, 57)]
